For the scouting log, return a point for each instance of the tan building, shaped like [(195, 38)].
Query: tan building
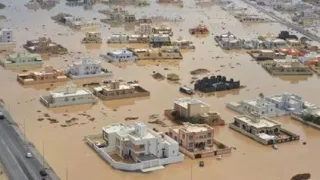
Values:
[(187, 107), (117, 90), (193, 137), (44, 45), (48, 75)]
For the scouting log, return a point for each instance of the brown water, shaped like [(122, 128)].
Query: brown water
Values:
[(64, 147)]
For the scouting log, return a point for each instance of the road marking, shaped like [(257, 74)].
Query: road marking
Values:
[(14, 159), (26, 164)]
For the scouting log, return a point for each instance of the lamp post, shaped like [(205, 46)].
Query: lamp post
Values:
[(42, 154)]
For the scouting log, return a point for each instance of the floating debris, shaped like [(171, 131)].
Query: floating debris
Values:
[(199, 71), (158, 76), (131, 118)]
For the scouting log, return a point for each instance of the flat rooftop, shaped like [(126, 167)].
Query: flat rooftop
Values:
[(258, 103), (121, 87), (262, 121), (279, 98), (185, 101), (79, 92), (117, 128)]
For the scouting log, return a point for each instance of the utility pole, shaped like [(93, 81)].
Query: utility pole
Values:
[(24, 131), (191, 172), (67, 175), (42, 154)]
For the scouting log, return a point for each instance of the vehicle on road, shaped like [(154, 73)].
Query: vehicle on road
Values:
[(43, 172), (29, 155), (1, 116)]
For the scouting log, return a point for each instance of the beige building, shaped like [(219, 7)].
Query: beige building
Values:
[(117, 90), (193, 137), (187, 107), (47, 75)]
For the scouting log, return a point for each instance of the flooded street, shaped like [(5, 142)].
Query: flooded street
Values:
[(64, 148)]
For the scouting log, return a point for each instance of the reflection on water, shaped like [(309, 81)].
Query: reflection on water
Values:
[(90, 46), (293, 79), (116, 46), (47, 86), (219, 94), (71, 109), (23, 69), (167, 62), (114, 104)]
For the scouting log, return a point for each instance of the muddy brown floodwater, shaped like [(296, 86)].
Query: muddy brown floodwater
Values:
[(64, 146)]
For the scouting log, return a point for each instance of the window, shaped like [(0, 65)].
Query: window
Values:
[(209, 141), (190, 145), (190, 138), (209, 134), (183, 136), (141, 146)]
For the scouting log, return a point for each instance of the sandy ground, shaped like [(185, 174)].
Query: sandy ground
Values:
[(3, 175), (64, 147)]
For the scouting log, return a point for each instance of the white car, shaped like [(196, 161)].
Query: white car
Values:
[(29, 155)]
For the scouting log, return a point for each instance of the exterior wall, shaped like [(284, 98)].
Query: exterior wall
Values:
[(296, 117), (140, 93), (268, 130), (32, 81), (136, 166), (194, 109), (9, 64), (262, 141), (51, 103), (102, 74), (191, 110)]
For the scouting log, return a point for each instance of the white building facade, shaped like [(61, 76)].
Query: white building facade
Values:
[(70, 96), (120, 55), (6, 39), (87, 68), (143, 147), (22, 59)]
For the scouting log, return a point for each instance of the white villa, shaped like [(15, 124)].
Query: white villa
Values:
[(271, 106), (120, 55), (68, 97), (86, 68), (275, 43), (118, 38), (22, 59), (80, 23), (183, 44), (262, 129), (137, 148), (6, 39), (228, 41)]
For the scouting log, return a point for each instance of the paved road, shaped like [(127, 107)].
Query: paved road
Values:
[(13, 150), (284, 22)]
